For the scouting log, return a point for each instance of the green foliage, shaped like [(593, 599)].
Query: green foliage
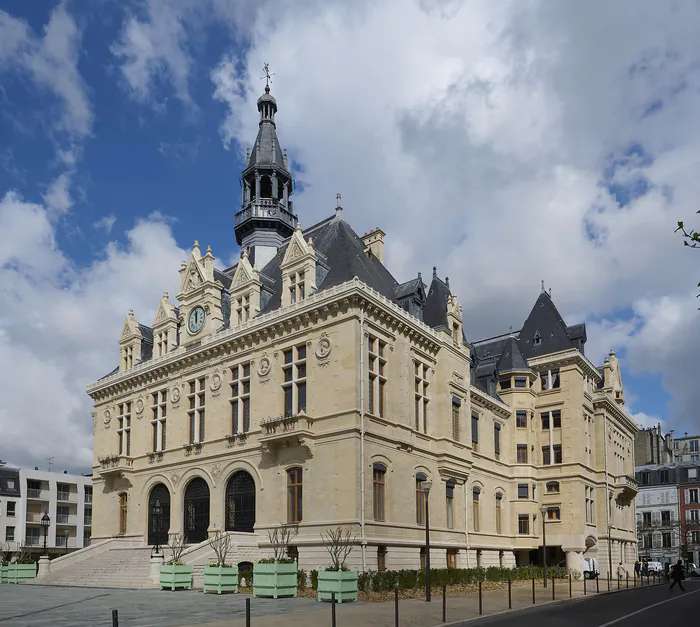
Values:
[(273, 560), (301, 579), (407, 579), (25, 560), (314, 580)]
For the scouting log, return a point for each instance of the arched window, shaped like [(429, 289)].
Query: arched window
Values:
[(475, 507), (449, 503), (553, 486), (378, 486), (294, 495), (240, 502), (420, 499), (123, 499), (158, 515), (499, 510)]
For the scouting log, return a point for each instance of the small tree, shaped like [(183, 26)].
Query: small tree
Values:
[(220, 543), (339, 543), (177, 543), (4, 553), (25, 554), (280, 537)]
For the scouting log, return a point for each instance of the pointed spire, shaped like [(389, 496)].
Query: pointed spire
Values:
[(543, 285), (338, 206), (434, 273)]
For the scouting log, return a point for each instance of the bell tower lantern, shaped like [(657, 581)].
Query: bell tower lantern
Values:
[(266, 217)]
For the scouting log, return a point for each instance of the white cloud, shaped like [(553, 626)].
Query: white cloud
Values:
[(106, 223), (58, 325), (58, 197), (51, 61), (155, 48)]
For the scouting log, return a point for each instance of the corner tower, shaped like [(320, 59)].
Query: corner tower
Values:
[(266, 217)]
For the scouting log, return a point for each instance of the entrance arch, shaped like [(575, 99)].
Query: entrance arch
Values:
[(158, 526), (196, 511), (240, 502)]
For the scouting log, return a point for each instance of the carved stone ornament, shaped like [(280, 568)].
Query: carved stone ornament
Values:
[(175, 394), (139, 406), (323, 348), (215, 382), (215, 472), (264, 366), (193, 280), (175, 477), (107, 416)]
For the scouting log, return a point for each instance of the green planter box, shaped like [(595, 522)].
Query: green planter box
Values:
[(221, 579), (17, 573), (275, 580), (3, 574), (342, 582), (173, 576)]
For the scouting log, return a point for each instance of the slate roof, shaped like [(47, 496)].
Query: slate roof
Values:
[(408, 288), (270, 153), (511, 358), (435, 310), (545, 320)]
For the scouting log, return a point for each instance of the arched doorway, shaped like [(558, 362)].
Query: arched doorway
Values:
[(158, 525), (240, 502), (196, 511)]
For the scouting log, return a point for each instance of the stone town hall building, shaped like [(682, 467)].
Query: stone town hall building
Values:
[(306, 385)]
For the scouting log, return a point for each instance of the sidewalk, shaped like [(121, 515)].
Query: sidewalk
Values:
[(418, 613)]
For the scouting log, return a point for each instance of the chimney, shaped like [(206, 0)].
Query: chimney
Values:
[(374, 243)]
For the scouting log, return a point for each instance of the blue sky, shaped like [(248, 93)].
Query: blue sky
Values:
[(506, 144)]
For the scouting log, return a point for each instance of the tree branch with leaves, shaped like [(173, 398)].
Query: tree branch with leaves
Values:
[(339, 543), (690, 238)]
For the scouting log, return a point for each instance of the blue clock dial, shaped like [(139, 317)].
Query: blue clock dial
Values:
[(195, 322)]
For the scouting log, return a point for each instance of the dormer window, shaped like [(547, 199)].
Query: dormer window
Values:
[(537, 340), (243, 309), (296, 289)]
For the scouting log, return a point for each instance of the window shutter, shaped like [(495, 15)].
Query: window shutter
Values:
[(497, 438), (687, 495), (475, 428)]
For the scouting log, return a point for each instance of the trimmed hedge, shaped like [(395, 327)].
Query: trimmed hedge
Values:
[(407, 579)]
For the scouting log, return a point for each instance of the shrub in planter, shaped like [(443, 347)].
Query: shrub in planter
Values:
[(220, 577), (277, 576), (336, 578), (174, 574)]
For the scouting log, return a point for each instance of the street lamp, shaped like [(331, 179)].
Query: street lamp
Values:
[(65, 533), (543, 511), (425, 486), (609, 552), (45, 522), (157, 511)]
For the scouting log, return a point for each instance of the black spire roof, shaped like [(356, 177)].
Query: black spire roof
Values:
[(511, 358), (544, 331)]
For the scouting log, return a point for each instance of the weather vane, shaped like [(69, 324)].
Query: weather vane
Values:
[(266, 69)]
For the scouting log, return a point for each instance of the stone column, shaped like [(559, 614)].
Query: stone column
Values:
[(574, 559), (44, 567)]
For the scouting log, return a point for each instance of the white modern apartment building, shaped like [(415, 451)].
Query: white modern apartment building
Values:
[(686, 448), (26, 495)]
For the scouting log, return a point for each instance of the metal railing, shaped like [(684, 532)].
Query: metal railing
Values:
[(34, 493), (63, 496), (87, 520), (88, 498)]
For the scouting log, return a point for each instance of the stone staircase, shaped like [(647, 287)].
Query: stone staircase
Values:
[(114, 568)]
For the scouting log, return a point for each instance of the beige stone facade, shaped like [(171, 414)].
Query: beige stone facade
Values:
[(326, 407)]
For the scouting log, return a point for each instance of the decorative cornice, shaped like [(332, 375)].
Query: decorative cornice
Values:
[(570, 356), (601, 399), (274, 324), (488, 402)]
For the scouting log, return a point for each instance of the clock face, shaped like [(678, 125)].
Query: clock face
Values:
[(195, 322)]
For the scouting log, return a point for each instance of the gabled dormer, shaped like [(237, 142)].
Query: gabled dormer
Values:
[(245, 292), (199, 297), (411, 296), (165, 327), (130, 343), (298, 269)]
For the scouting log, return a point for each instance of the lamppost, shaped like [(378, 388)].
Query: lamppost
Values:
[(65, 533), (609, 552), (543, 511), (157, 511), (426, 485), (45, 522)]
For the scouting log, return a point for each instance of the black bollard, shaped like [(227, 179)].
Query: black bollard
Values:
[(444, 603), (618, 582), (481, 607), (553, 590), (333, 609), (597, 584), (115, 618), (533, 590), (510, 598), (247, 612), (608, 582), (571, 594), (396, 605), (628, 580), (584, 584)]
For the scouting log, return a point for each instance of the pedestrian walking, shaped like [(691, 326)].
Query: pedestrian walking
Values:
[(677, 575), (620, 571), (637, 568)]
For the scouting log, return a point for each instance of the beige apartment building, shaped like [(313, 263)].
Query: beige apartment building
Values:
[(306, 385)]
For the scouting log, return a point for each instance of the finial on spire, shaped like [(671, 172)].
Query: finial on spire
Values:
[(131, 313), (166, 295), (447, 282), (338, 206), (550, 292), (267, 77), (434, 272), (543, 285), (420, 277), (196, 243), (244, 255), (208, 250)]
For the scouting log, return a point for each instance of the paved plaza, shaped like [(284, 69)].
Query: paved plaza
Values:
[(48, 606)]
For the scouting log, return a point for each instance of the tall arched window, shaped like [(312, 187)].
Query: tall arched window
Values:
[(499, 510), (420, 499), (123, 499), (475, 508), (294, 495), (265, 187), (378, 485)]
